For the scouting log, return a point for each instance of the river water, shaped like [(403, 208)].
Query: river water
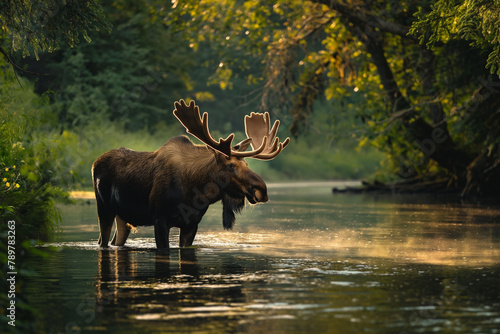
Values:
[(306, 261)]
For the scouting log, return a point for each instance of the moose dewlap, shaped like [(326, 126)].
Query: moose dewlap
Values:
[(174, 185)]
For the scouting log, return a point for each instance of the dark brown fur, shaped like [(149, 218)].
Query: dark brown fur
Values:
[(172, 186)]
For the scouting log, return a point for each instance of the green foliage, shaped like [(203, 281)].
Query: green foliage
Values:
[(30, 168), (329, 150), (473, 20), (131, 75), (35, 26), (361, 54), (313, 160), (29, 165), (80, 147)]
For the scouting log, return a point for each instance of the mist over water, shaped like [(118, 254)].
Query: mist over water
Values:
[(306, 261)]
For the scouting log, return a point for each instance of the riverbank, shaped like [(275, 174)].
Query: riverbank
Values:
[(84, 194)]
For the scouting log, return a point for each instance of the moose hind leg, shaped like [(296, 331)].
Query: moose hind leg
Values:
[(105, 226), (104, 213), (121, 233), (187, 235)]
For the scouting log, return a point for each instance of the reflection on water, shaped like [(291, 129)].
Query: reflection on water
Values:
[(305, 262)]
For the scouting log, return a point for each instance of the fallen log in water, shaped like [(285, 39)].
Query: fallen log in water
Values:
[(413, 185)]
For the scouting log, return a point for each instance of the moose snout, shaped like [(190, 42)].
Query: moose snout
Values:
[(261, 195), (257, 194), (254, 188)]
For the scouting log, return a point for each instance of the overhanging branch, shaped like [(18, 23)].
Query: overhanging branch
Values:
[(370, 20), (14, 65)]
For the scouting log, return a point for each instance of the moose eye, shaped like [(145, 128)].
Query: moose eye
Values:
[(230, 167)]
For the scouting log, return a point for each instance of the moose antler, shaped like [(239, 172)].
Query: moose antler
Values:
[(189, 116), (257, 127)]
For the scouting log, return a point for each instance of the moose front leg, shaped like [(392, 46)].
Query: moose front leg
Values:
[(187, 235), (161, 233)]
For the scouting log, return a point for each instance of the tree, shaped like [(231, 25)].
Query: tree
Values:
[(33, 26), (471, 20), (426, 108), (474, 21), (129, 76)]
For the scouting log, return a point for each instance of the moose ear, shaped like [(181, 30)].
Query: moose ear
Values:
[(242, 145), (218, 155)]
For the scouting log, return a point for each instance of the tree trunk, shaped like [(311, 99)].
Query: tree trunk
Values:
[(433, 140)]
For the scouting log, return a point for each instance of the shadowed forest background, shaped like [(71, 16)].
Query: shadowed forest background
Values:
[(404, 94)]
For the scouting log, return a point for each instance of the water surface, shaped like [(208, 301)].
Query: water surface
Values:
[(307, 261)]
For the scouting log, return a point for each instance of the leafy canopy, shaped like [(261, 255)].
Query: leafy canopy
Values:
[(367, 56), (34, 26), (472, 20)]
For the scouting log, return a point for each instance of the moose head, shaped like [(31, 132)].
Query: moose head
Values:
[(260, 136), (174, 185)]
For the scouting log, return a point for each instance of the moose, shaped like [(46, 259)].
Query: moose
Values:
[(174, 185)]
